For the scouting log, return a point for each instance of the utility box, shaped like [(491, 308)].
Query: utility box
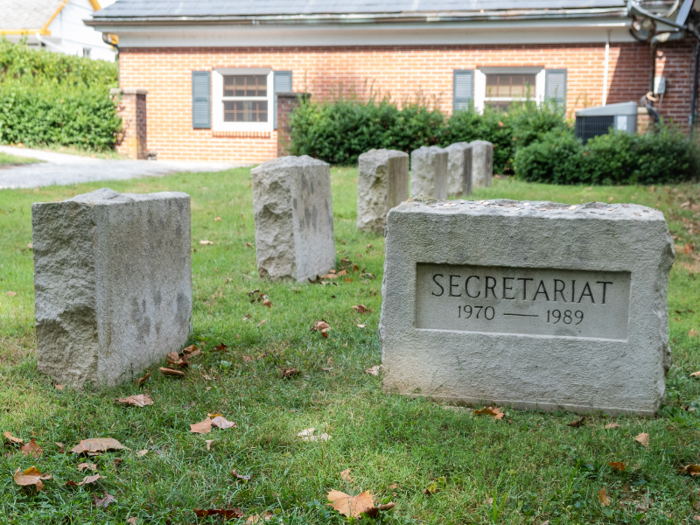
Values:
[(591, 122)]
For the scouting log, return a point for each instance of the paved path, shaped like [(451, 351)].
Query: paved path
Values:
[(61, 169)]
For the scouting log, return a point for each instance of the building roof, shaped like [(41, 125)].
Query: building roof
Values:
[(27, 14), (192, 10)]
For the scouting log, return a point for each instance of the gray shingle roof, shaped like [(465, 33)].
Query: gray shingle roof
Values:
[(26, 14), (227, 8)]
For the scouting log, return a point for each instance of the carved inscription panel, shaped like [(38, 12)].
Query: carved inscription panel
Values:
[(561, 303)]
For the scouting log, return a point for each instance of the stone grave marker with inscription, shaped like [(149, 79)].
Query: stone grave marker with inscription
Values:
[(293, 218), (536, 305), (459, 168), (382, 184), (482, 164), (429, 172)]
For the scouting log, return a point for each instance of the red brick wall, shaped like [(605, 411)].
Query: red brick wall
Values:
[(401, 71)]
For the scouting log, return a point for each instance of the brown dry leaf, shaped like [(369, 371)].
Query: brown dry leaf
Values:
[(345, 476), (329, 276), (695, 374), (203, 427), (618, 465), (604, 500), (175, 359), (86, 481), (221, 348), (11, 294), (611, 425), (209, 443), (693, 332), (361, 325), (91, 466), (61, 447), (495, 412), (31, 449), (31, 476), (12, 439), (58, 387), (248, 245), (361, 309), (320, 326), (693, 470), (140, 400), (643, 438), (351, 505), (30, 246), (342, 273), (259, 519), (235, 474), (577, 423), (140, 381), (261, 323), (290, 372), (222, 423), (228, 514), (205, 242), (142, 453), (217, 219), (374, 370), (171, 372), (247, 358), (192, 349), (688, 248), (106, 501), (267, 303), (96, 445), (132, 521)]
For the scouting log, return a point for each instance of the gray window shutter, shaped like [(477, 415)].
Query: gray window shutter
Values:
[(463, 89), (283, 84), (555, 85), (201, 99)]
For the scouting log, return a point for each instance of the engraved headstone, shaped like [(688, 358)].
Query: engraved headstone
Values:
[(536, 305), (459, 168), (293, 218), (482, 163), (113, 284), (382, 184), (429, 172)]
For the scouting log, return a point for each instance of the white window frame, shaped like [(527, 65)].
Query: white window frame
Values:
[(480, 82), (218, 123)]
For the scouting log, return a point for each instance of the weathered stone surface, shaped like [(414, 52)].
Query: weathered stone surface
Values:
[(538, 306), (459, 168), (382, 183), (113, 284), (293, 218), (429, 172), (482, 163)]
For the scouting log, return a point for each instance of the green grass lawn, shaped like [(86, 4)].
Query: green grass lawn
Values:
[(527, 468), (13, 160)]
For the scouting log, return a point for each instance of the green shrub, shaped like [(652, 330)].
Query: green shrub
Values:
[(51, 98)]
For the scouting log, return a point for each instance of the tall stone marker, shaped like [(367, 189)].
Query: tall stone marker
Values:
[(459, 168), (482, 164), (429, 172), (113, 284), (382, 184), (293, 218), (539, 306)]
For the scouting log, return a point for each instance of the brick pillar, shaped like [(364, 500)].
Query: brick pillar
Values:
[(286, 103), (131, 106)]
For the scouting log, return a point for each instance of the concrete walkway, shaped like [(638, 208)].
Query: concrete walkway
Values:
[(62, 169)]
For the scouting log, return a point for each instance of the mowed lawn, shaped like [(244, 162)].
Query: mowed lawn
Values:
[(530, 467)]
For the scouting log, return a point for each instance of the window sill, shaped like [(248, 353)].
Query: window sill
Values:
[(242, 134)]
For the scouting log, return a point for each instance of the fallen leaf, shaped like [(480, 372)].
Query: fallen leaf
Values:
[(611, 425), (11, 294), (695, 374), (495, 412), (267, 303), (345, 476), (693, 470), (374, 370), (58, 387), (217, 218), (290, 372), (248, 245), (30, 246), (577, 423), (142, 453), (361, 309), (604, 500), (693, 332), (349, 279), (140, 381), (236, 475), (432, 489), (361, 325), (329, 276), (308, 435), (228, 514), (171, 372), (688, 248), (61, 447), (191, 351), (205, 242), (86, 481), (320, 326), (91, 466), (203, 427), (259, 519), (31, 449), (264, 321), (643, 438), (31, 476), (11, 439), (351, 505), (342, 273), (247, 358), (222, 423), (94, 445), (618, 465), (132, 521), (117, 462), (106, 501), (140, 400), (221, 348), (209, 443), (368, 246)]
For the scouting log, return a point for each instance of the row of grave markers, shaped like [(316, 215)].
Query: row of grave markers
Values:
[(533, 304)]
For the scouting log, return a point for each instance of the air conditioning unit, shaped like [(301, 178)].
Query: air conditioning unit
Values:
[(591, 122)]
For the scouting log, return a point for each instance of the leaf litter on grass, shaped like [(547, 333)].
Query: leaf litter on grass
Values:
[(355, 506), (140, 400), (94, 446), (29, 477)]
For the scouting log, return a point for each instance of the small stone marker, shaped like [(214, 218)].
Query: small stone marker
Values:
[(482, 164), (382, 184), (459, 168), (541, 306), (293, 218), (429, 172), (113, 284)]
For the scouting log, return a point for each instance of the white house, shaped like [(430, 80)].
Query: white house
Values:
[(56, 25)]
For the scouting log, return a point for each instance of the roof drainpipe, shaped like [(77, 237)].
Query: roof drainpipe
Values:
[(607, 70)]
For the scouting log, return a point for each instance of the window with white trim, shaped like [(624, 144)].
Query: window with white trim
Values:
[(242, 99), (499, 87)]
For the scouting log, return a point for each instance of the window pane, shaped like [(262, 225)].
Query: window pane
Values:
[(245, 85), (501, 105), (245, 111), (510, 86)]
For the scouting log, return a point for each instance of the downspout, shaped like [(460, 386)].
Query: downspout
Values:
[(607, 70), (694, 96)]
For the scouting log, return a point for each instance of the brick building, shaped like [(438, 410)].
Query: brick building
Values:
[(212, 79)]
